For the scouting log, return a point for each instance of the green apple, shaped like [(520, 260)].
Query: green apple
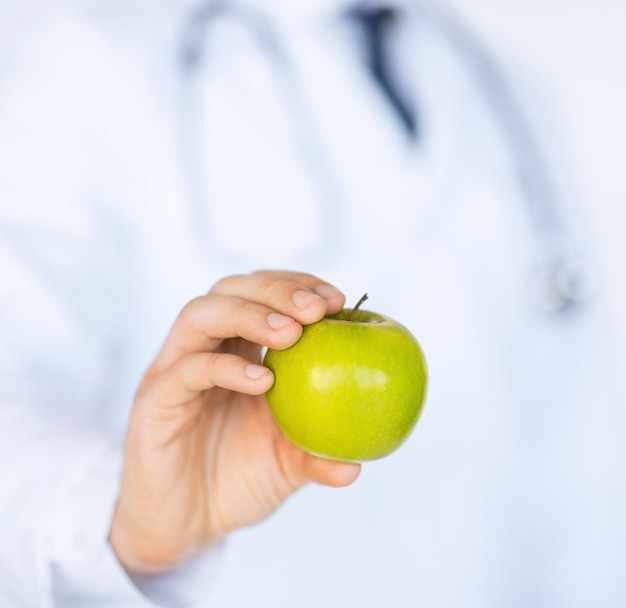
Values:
[(352, 388)]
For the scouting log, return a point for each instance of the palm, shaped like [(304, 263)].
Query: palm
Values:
[(221, 462), (250, 468), (249, 462)]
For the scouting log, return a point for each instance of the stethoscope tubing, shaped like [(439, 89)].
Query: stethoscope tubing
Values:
[(560, 278)]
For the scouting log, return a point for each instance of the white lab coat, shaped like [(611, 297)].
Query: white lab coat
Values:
[(511, 490)]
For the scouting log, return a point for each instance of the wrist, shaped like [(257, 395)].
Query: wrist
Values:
[(137, 552), (146, 552)]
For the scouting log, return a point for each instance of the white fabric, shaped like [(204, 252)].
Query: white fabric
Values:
[(511, 492), (69, 305)]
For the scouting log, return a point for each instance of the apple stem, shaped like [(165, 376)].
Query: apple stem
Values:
[(356, 308)]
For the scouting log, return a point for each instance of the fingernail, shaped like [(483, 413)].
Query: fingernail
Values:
[(255, 371), (276, 320), (303, 298), (327, 291)]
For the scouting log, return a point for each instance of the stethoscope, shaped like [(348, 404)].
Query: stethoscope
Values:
[(560, 280)]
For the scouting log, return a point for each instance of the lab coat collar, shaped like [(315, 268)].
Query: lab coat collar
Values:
[(300, 12)]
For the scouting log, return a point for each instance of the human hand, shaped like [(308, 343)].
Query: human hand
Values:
[(204, 455)]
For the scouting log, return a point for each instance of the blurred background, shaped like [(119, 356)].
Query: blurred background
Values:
[(577, 50), (429, 526)]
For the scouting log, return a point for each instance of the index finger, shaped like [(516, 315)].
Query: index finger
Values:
[(304, 297), (206, 321)]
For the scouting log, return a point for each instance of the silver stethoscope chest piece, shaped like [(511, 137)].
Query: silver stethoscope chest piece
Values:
[(562, 286)]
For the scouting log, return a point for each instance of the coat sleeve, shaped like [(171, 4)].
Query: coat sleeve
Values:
[(65, 309)]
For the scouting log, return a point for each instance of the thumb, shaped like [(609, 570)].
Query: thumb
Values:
[(330, 472)]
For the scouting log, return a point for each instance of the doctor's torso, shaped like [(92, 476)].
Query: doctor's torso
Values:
[(496, 499)]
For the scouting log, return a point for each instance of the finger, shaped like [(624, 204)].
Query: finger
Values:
[(206, 321), (198, 372), (330, 472), (301, 296)]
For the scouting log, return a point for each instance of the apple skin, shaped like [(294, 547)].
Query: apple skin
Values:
[(349, 390)]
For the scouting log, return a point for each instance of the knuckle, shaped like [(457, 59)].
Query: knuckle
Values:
[(224, 284), (276, 284), (262, 272), (188, 312), (243, 311), (180, 369), (282, 287), (274, 280), (214, 362), (199, 310), (308, 278)]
